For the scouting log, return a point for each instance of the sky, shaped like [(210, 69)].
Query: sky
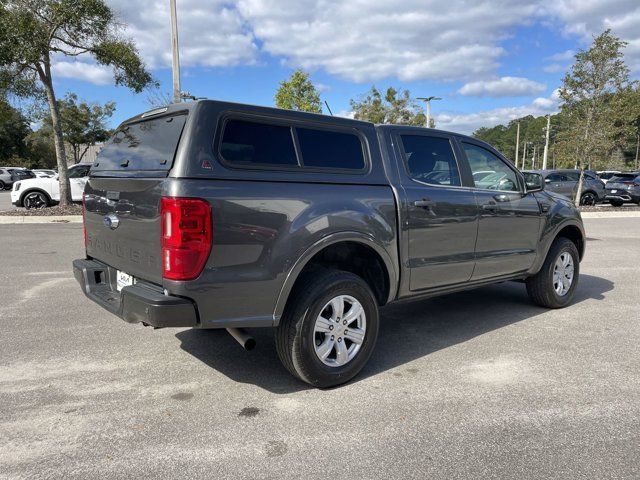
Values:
[(490, 60)]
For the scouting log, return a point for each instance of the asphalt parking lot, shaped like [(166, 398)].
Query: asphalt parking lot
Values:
[(5, 200), (479, 384)]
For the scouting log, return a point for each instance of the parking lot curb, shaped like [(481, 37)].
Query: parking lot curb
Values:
[(634, 214), (10, 219)]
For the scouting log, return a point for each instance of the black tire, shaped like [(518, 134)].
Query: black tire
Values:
[(35, 200), (2, 185), (588, 198), (540, 286), (295, 336), (616, 203)]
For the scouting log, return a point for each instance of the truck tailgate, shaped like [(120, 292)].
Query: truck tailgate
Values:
[(122, 221)]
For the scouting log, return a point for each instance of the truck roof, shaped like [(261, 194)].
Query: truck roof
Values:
[(188, 106)]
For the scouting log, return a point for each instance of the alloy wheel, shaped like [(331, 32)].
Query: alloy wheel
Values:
[(339, 331), (588, 199), (34, 200)]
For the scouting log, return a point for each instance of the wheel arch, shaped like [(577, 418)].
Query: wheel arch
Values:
[(352, 241), (591, 191), (575, 234)]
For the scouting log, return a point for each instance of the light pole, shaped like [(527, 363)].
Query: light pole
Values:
[(517, 143), (175, 57), (546, 143), (427, 100)]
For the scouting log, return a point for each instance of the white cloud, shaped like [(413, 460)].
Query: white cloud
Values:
[(345, 114), (363, 41), (562, 56), (555, 68), (502, 87), (586, 18), (469, 122), (211, 32), (77, 70)]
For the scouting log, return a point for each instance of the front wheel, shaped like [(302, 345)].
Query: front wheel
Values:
[(2, 185), (35, 200), (554, 285), (329, 328)]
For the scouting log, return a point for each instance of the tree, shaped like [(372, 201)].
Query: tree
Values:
[(503, 137), (14, 127), (83, 124), (298, 93), (626, 118), (597, 75), (33, 31), (42, 152), (396, 107)]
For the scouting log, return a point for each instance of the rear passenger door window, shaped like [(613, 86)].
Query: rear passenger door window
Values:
[(330, 149), (245, 143), (500, 176), (556, 177), (430, 160)]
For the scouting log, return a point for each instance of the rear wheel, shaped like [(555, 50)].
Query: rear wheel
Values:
[(616, 203), (329, 328), (554, 285), (588, 198), (35, 200)]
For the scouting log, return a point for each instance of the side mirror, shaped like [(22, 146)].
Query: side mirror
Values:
[(533, 182)]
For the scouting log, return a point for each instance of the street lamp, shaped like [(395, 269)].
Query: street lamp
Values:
[(427, 100), (175, 57)]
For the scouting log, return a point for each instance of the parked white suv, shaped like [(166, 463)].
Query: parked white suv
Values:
[(44, 192)]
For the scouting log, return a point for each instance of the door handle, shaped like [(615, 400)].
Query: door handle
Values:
[(490, 206), (424, 203)]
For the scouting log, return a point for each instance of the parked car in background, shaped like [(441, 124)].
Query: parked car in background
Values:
[(565, 182), (41, 173), (623, 188), (44, 192), (18, 174), (5, 178), (217, 215), (605, 175)]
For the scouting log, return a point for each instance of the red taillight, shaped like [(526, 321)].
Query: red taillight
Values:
[(186, 237), (84, 223)]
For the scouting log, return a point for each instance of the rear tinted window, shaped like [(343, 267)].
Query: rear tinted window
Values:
[(328, 149), (147, 145), (250, 143), (624, 177)]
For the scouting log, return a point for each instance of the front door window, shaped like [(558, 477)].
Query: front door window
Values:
[(490, 172)]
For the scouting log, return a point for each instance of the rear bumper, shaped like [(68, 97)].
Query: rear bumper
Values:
[(623, 197), (137, 303)]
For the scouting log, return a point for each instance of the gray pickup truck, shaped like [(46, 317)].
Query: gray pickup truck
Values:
[(220, 215)]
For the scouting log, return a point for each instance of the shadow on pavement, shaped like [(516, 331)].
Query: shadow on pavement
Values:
[(408, 330)]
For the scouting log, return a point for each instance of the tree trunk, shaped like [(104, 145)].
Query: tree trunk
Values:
[(581, 163), (65, 189)]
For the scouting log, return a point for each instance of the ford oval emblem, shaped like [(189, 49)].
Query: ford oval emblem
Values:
[(111, 221)]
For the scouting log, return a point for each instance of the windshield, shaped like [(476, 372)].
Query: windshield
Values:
[(147, 145)]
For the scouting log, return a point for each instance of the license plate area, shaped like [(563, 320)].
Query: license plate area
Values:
[(614, 191), (123, 279)]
